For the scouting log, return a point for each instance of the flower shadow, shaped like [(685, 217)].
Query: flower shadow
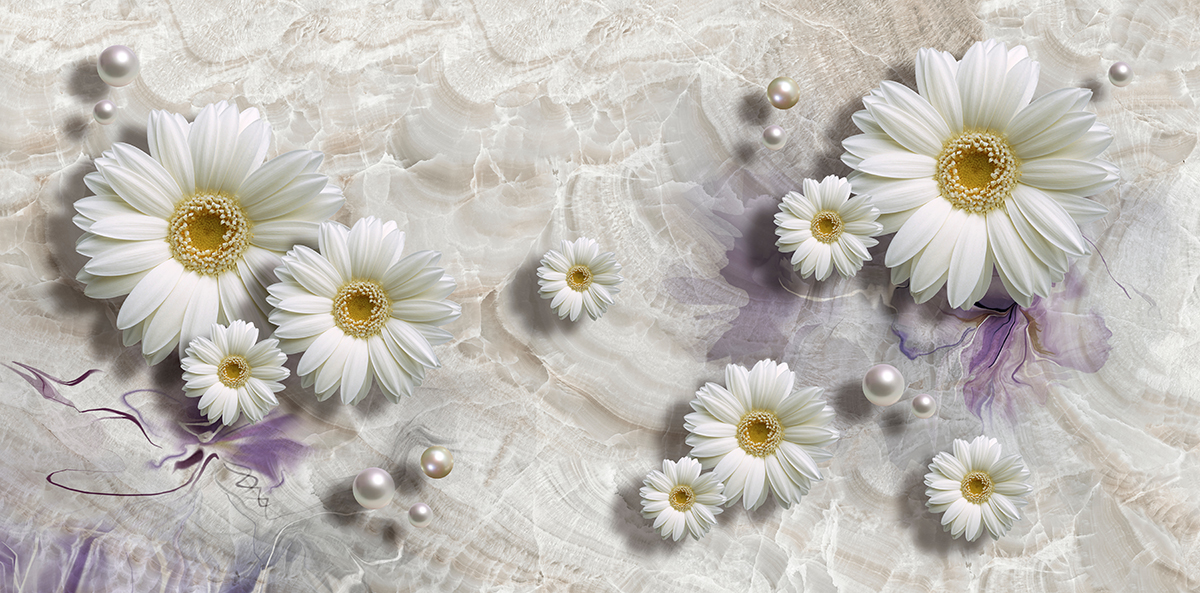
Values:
[(674, 440), (639, 534), (926, 528), (533, 311)]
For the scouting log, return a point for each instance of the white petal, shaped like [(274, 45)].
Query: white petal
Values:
[(900, 166), (139, 192), (146, 297), (167, 136), (934, 261), (936, 82), (162, 334), (133, 257), (1062, 174), (201, 312), (967, 263), (922, 132), (131, 227), (917, 232), (1042, 114), (211, 138)]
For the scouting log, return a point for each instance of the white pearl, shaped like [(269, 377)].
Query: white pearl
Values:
[(374, 488), (437, 462), (924, 405), (118, 65), (774, 137), (1120, 74), (104, 112), (883, 385), (420, 515), (783, 93)]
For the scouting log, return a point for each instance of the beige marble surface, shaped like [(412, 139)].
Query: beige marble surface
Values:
[(492, 129)]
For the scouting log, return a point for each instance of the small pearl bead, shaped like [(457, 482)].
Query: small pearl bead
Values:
[(924, 406), (420, 515), (1120, 74), (118, 65), (104, 112), (437, 462), (774, 137), (783, 93), (883, 385), (374, 488)]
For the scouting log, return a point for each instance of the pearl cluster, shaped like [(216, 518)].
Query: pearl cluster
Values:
[(827, 226), (361, 308), (374, 488), (759, 433), (208, 233), (977, 171), (117, 66)]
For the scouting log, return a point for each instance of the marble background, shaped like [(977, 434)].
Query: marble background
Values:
[(492, 129)]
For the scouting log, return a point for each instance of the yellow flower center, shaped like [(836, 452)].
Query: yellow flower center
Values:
[(233, 371), (361, 308), (579, 278), (208, 233), (977, 171), (827, 226), (977, 487), (759, 433), (682, 498)]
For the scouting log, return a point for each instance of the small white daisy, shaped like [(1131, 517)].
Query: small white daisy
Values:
[(579, 278), (825, 226), (976, 489), (193, 231), (359, 311), (232, 372), (678, 498), (760, 435), (973, 176)]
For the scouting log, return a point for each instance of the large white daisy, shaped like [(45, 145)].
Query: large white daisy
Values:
[(579, 278), (824, 228), (678, 498), (971, 175), (233, 373), (359, 311), (976, 489), (759, 434), (193, 231)]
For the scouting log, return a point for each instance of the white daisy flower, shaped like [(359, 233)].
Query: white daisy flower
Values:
[(193, 231), (824, 226), (976, 489), (579, 278), (759, 434), (360, 312), (971, 175), (232, 372), (678, 498)]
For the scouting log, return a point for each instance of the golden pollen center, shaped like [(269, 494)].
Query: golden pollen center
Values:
[(233, 371), (977, 487), (759, 433), (682, 498), (579, 278), (361, 308), (977, 171), (827, 226), (208, 233)]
